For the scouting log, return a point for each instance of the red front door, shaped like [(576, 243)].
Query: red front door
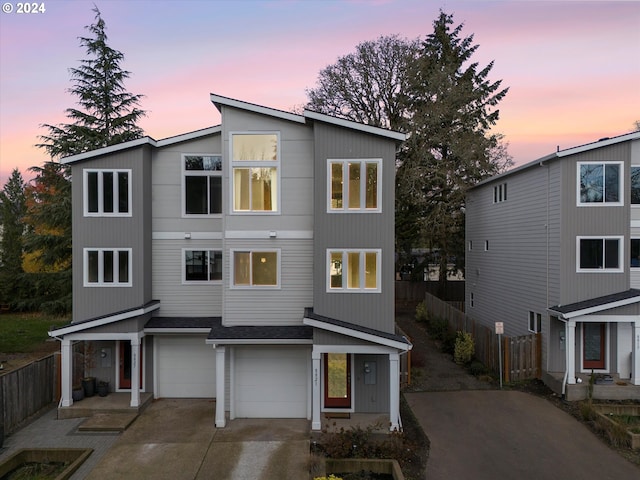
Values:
[(337, 380), (125, 364), (594, 346)]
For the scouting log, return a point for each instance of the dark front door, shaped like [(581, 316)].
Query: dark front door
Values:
[(125, 364), (337, 380), (594, 345)]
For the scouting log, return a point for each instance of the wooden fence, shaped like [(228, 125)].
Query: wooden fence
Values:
[(521, 356), (27, 390)]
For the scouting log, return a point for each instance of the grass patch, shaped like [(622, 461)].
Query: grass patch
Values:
[(25, 332)]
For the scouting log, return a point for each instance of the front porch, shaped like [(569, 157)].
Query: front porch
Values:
[(114, 403), (617, 389)]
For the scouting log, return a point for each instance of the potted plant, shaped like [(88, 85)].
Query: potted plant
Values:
[(89, 382), (103, 388), (77, 393)]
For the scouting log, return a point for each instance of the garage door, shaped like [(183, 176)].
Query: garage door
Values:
[(271, 382), (186, 367)]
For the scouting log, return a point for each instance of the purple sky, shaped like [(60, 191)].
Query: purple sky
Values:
[(573, 67)]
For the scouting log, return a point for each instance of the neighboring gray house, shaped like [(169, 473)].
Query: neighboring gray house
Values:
[(553, 247), (251, 262)]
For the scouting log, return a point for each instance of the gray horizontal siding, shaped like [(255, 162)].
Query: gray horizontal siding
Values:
[(176, 298)]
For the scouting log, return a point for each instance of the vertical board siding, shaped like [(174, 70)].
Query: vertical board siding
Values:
[(176, 298), (354, 230), (26, 391), (371, 398)]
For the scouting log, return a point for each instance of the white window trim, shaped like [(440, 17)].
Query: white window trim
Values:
[(102, 283), (232, 273), (362, 261), (600, 204), (363, 192), (85, 192), (255, 164), (197, 173), (533, 316), (184, 267), (621, 255)]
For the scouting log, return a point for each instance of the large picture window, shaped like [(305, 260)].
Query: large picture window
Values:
[(354, 185), (107, 267), (255, 161), (256, 268), (202, 265), (353, 270), (107, 193), (600, 183), (202, 188), (597, 254)]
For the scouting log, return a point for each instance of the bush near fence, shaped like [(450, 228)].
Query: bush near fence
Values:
[(27, 390), (521, 356)]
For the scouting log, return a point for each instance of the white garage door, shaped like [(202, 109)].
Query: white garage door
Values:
[(186, 367), (271, 382)]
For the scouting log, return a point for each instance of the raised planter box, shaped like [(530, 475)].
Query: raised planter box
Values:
[(606, 410), (47, 455), (373, 465)]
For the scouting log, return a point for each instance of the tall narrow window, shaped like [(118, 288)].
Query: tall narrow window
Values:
[(255, 163), (107, 193), (202, 186), (354, 185)]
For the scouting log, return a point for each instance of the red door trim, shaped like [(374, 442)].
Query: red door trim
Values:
[(125, 347), (333, 402), (600, 363)]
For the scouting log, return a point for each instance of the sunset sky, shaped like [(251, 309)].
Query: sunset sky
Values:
[(573, 67)]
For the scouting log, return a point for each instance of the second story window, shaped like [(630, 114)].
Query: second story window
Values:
[(104, 267), (202, 187), (255, 268), (202, 265), (255, 162), (353, 270), (600, 183), (500, 193), (634, 253), (635, 185), (599, 254), (354, 185), (107, 193)]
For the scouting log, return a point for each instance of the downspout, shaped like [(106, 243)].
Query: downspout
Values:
[(566, 358)]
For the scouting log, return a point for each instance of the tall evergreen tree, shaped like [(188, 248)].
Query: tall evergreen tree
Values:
[(452, 109), (12, 211), (107, 114)]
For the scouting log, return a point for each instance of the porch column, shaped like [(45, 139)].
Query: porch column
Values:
[(66, 365), (394, 391), (220, 391), (635, 353), (315, 390), (571, 352), (135, 371)]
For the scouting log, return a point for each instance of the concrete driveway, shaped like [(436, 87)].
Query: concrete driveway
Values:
[(177, 439), (504, 434)]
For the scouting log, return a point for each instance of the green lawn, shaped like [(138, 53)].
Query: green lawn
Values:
[(25, 332)]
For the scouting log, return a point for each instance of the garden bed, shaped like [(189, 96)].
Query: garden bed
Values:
[(627, 416), (43, 463), (348, 468)]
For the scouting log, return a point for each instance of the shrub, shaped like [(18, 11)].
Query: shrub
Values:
[(421, 312), (587, 412), (464, 348), (477, 368)]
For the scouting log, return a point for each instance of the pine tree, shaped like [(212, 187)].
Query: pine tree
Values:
[(12, 211), (106, 115), (452, 107)]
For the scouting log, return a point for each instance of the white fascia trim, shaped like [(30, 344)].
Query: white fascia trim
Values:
[(218, 100), (356, 334), (186, 236), (180, 331), (606, 319), (103, 336), (599, 144), (189, 136), (355, 349), (600, 308), (341, 122), (109, 149), (102, 321), (272, 234), (259, 341)]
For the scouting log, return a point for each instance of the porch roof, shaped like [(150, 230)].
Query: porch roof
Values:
[(597, 304), (267, 334), (357, 331)]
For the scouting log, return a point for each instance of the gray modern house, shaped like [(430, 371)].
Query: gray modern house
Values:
[(553, 248), (251, 262)]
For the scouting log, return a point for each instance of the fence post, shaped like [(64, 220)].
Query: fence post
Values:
[(507, 357)]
